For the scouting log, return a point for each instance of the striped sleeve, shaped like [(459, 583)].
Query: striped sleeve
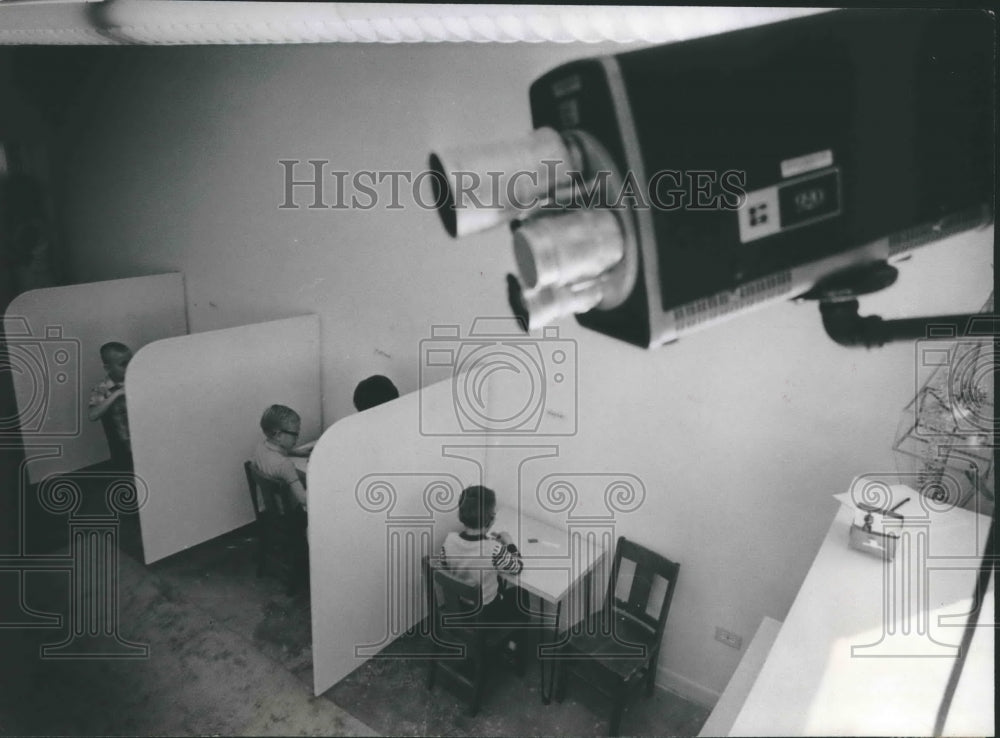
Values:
[(507, 558)]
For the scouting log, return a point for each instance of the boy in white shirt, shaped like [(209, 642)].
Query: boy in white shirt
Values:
[(476, 556), (281, 426)]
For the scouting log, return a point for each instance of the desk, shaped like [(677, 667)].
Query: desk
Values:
[(867, 647), (555, 559), (302, 462)]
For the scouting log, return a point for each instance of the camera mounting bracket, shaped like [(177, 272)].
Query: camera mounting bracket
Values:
[(838, 305)]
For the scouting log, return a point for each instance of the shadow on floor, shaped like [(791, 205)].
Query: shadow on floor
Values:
[(195, 676), (230, 654), (390, 694)]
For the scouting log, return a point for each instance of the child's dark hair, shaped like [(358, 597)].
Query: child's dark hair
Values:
[(373, 391), (476, 506), (113, 347)]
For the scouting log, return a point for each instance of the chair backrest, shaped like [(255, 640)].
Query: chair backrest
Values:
[(252, 486), (116, 446), (452, 603), (642, 586), (277, 497)]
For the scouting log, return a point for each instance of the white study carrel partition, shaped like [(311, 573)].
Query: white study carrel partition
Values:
[(195, 404), (381, 495), (383, 491), (54, 337)]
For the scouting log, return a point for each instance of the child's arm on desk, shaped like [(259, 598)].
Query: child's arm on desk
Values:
[(303, 450), (506, 557)]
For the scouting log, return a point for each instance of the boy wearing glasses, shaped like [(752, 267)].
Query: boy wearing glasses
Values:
[(281, 426)]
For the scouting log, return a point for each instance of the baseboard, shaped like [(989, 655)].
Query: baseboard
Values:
[(674, 682)]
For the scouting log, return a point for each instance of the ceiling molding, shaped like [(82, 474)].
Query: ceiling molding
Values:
[(177, 22)]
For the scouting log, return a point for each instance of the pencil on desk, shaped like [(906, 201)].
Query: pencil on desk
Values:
[(896, 507)]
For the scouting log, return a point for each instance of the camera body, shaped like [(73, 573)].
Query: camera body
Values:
[(503, 382), (665, 189), (46, 374), (855, 136)]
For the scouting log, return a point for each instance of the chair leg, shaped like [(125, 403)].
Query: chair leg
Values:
[(261, 555), (259, 549), (479, 681), (515, 654), (650, 675), (650, 680), (431, 673), (617, 710), (519, 659), (559, 677)]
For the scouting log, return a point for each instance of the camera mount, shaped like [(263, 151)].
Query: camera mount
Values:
[(838, 305)]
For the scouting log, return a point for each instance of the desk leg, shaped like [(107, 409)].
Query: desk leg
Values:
[(548, 664)]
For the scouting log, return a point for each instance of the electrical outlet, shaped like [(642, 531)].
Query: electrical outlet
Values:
[(730, 639)]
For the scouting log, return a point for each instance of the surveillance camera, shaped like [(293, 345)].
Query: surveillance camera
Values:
[(666, 189)]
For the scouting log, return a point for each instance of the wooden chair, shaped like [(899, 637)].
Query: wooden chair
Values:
[(464, 643), (121, 454), (281, 529), (618, 648)]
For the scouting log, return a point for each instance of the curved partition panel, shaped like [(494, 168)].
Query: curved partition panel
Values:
[(53, 340), (194, 407), (382, 493)]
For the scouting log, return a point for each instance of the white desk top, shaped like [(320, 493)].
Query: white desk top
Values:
[(302, 462), (554, 558), (860, 654)]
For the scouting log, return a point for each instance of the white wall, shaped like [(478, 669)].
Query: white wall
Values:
[(740, 434)]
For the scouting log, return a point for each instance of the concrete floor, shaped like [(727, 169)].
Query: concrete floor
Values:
[(208, 672), (229, 654)]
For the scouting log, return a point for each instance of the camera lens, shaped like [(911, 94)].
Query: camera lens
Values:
[(485, 185), (544, 305), (566, 248)]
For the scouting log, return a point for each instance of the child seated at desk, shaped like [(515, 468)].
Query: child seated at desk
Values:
[(281, 426), (473, 551), (107, 404)]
